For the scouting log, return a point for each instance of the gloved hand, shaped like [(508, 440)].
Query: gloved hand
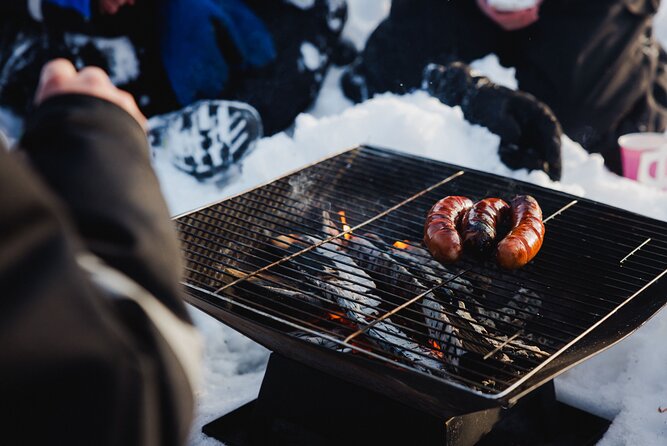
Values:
[(530, 134), (201, 40)]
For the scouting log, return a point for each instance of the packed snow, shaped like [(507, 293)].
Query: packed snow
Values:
[(512, 5)]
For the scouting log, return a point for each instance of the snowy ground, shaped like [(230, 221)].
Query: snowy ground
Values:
[(624, 383)]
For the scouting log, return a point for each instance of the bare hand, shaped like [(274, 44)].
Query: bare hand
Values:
[(112, 6), (60, 77)]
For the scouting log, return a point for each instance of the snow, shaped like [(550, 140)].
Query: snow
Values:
[(119, 50), (363, 18), (334, 22), (303, 4), (624, 383), (490, 67), (512, 5), (312, 58)]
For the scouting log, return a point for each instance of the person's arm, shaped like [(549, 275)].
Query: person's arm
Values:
[(78, 367), (51, 318), (88, 355), (94, 155), (530, 134)]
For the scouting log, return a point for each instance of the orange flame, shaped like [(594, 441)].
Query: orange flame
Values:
[(341, 319), (437, 347), (400, 245), (346, 227)]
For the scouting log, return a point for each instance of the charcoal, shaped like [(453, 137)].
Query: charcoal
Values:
[(398, 281), (432, 272), (352, 289)]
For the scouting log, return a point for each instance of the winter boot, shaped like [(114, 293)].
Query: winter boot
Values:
[(207, 138)]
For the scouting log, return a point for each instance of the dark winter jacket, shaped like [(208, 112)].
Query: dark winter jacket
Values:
[(594, 62), (94, 337)]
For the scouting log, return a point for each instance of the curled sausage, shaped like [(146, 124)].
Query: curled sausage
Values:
[(480, 225), (441, 236), (525, 238)]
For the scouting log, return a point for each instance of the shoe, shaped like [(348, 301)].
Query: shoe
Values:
[(207, 138)]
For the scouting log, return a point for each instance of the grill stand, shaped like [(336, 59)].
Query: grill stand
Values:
[(298, 405)]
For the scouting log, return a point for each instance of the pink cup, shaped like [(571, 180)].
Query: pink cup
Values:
[(644, 158)]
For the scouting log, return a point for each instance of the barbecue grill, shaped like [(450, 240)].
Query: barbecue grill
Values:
[(325, 267)]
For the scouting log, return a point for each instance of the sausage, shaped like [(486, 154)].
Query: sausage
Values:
[(479, 227), (441, 235), (526, 235)]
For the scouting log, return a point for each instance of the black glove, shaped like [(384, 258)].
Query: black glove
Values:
[(530, 134)]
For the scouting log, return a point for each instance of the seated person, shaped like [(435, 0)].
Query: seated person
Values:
[(96, 344), (265, 59), (595, 64)]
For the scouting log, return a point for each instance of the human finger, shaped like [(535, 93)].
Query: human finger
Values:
[(54, 75), (94, 77), (127, 102)]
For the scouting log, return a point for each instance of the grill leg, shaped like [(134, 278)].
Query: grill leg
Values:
[(539, 419), (298, 405)]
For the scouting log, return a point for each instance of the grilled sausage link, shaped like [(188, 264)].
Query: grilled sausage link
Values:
[(479, 227), (526, 236), (441, 235)]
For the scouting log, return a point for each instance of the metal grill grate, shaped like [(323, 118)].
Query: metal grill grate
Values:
[(281, 258)]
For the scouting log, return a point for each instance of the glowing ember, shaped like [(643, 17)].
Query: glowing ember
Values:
[(341, 319), (400, 245), (437, 347), (346, 227)]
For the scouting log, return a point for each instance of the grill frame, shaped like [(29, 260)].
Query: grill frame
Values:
[(428, 392)]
